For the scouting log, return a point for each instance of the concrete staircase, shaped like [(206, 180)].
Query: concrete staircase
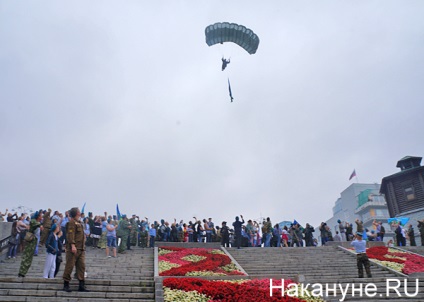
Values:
[(131, 276), (321, 265), (125, 278)]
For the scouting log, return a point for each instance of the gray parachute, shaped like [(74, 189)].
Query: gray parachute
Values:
[(230, 32)]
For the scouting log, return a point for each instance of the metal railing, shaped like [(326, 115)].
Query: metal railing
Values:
[(4, 244)]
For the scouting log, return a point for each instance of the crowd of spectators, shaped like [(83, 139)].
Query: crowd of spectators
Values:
[(119, 234)]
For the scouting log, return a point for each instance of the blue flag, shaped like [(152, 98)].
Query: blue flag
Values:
[(229, 89), (117, 212), (83, 207), (401, 220)]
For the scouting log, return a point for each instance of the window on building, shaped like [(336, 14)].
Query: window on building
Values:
[(378, 198), (382, 213), (410, 192), (366, 216)]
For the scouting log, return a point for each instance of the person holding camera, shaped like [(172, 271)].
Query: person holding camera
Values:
[(324, 235), (11, 217), (309, 238)]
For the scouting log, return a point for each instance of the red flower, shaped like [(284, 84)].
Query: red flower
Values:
[(412, 264), (211, 263), (250, 290)]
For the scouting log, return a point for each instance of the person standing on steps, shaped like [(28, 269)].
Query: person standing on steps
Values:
[(124, 229), (342, 230), (411, 236), (52, 250), (225, 235), (75, 251), (361, 256), (421, 229), (237, 230), (111, 238), (152, 236), (30, 246), (47, 224)]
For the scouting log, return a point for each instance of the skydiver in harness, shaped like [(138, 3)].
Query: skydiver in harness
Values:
[(225, 63)]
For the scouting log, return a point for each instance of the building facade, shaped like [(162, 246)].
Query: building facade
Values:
[(363, 202), (404, 191)]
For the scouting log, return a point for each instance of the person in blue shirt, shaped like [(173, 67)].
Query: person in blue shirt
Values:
[(152, 234), (360, 246), (63, 223), (111, 237)]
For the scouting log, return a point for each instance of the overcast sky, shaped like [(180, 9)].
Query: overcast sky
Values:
[(109, 102)]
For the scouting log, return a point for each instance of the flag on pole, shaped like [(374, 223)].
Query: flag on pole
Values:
[(352, 175), (117, 212), (229, 89), (83, 207)]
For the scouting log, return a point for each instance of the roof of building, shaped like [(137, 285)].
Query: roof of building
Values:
[(398, 174), (415, 159)]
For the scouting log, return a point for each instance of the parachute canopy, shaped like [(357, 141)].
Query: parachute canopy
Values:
[(230, 32)]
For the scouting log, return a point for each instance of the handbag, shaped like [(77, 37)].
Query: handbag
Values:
[(29, 237)]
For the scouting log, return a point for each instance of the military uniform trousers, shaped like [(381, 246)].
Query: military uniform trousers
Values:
[(27, 257), (363, 261), (77, 260)]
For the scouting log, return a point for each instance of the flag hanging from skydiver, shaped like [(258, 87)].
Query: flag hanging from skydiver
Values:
[(229, 89)]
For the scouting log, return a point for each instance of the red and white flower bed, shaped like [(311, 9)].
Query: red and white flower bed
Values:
[(400, 261), (175, 261), (199, 290)]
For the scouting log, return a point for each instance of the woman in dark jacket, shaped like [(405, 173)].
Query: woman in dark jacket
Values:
[(52, 249)]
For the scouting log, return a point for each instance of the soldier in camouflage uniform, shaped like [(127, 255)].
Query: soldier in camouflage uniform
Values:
[(421, 228), (75, 251), (124, 229), (28, 254), (47, 224), (143, 237), (134, 231)]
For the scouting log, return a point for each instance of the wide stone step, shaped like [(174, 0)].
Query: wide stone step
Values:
[(60, 293), (128, 277), (93, 288), (105, 282)]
